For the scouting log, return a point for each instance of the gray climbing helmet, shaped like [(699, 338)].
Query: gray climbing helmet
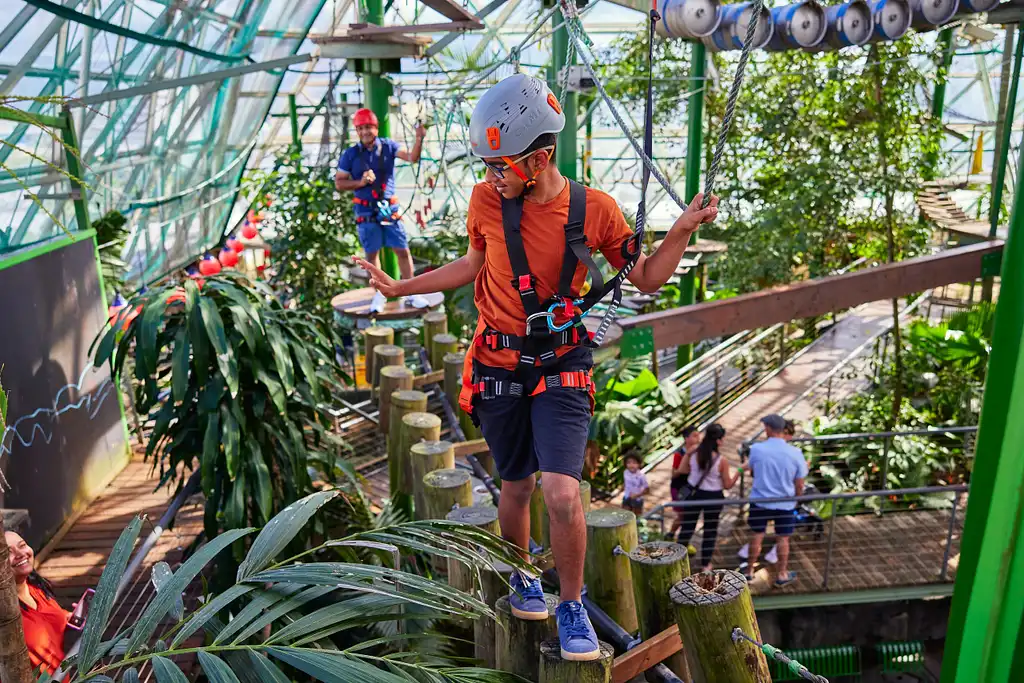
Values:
[(511, 115)]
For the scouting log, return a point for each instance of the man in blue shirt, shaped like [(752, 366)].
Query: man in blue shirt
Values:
[(779, 470), (367, 169)]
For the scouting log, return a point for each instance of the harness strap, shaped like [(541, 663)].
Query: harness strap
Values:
[(576, 247), (524, 283), (499, 341), (489, 388)]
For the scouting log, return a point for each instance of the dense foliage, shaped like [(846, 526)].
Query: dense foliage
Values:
[(312, 231), (111, 234), (231, 377)]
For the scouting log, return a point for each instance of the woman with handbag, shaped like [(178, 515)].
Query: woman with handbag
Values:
[(708, 477)]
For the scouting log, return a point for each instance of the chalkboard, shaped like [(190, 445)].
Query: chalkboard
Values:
[(64, 437)]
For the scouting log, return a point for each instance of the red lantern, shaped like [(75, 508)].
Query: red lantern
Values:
[(234, 245), (209, 265), (228, 258), (249, 231)]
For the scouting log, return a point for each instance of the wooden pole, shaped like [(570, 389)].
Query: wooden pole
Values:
[(494, 586), (385, 355), (585, 496), (373, 337), (444, 489), (517, 641), (708, 606), (440, 346), (459, 575), (611, 534), (453, 363), (427, 456), (434, 323), (416, 427), (392, 378), (554, 669), (402, 402), (540, 522), (657, 567)]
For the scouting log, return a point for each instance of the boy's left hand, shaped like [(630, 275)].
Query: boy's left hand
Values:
[(421, 131), (694, 216)]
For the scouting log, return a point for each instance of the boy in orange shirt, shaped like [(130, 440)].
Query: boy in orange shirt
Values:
[(527, 380)]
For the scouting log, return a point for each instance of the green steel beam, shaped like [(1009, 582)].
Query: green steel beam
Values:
[(565, 151), (19, 116), (999, 181), (945, 41), (983, 635), (927, 591), (694, 156), (71, 153)]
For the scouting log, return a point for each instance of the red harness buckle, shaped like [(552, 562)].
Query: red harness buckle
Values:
[(525, 283)]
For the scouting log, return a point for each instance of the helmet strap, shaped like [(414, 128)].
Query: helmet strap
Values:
[(529, 182)]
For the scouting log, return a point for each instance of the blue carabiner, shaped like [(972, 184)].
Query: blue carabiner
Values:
[(570, 322)]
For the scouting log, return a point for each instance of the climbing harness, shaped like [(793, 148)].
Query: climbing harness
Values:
[(772, 652), (386, 209)]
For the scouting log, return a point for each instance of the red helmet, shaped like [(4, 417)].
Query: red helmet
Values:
[(364, 117)]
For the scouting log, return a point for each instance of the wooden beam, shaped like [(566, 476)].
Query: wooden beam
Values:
[(689, 324), (369, 30), (473, 447), (452, 10), (430, 378), (649, 653)]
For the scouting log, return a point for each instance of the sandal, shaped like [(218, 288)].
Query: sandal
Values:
[(785, 580)]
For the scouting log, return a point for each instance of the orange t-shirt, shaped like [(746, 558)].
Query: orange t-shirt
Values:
[(543, 229), (44, 630)]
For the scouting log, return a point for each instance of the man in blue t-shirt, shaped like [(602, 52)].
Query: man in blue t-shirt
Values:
[(779, 470), (368, 170)]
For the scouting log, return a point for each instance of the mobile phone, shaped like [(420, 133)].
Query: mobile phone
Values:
[(81, 613)]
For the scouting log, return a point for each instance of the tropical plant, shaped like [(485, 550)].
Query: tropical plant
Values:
[(312, 228), (111, 235), (328, 620), (231, 377)]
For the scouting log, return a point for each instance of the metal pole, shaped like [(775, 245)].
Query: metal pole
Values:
[(565, 151), (945, 41), (72, 152), (588, 148), (985, 616), (293, 116), (378, 99), (694, 155), (828, 552), (949, 538), (885, 464), (1003, 152)]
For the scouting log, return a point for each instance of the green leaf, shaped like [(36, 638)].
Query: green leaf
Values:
[(200, 348), (263, 600), (180, 364), (171, 591), (264, 669), (231, 439), (103, 601), (281, 609), (274, 387), (215, 669), (161, 574), (167, 671), (130, 675), (211, 449), (358, 608), (264, 489), (307, 367), (333, 667), (146, 355), (280, 531), (244, 324), (282, 357), (234, 512), (106, 347), (218, 339), (210, 609)]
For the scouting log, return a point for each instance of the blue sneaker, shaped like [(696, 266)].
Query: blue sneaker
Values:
[(576, 633), (527, 598)]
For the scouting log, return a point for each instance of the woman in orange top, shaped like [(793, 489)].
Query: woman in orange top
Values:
[(43, 619)]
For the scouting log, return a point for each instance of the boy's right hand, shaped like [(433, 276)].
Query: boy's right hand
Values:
[(381, 281), (368, 177)]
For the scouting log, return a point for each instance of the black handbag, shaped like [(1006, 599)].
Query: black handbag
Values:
[(686, 491)]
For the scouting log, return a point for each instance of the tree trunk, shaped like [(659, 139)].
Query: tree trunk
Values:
[(434, 323), (708, 606), (392, 378), (459, 575), (440, 346), (402, 403), (372, 337), (385, 355), (494, 586), (427, 456), (554, 669), (657, 567), (444, 489), (607, 572), (15, 666), (517, 641), (416, 427)]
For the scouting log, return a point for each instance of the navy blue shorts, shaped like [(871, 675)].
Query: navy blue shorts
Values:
[(546, 432), (374, 236), (758, 518)]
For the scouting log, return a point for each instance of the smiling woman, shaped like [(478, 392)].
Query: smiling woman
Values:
[(44, 621)]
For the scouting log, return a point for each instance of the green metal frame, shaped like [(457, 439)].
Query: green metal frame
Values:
[(566, 157), (694, 156)]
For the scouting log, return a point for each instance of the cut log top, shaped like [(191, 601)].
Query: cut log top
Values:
[(708, 588), (435, 317), (356, 303), (429, 448), (476, 515), (658, 553), (423, 421), (502, 606), (389, 350), (395, 371), (407, 397), (446, 479), (445, 338), (610, 518), (379, 332)]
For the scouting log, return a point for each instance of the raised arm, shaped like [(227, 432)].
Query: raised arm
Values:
[(460, 272), (729, 475), (651, 272), (412, 156)]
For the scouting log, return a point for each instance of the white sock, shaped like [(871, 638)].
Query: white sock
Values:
[(417, 301), (377, 303)]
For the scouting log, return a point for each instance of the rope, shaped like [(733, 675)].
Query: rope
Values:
[(772, 652)]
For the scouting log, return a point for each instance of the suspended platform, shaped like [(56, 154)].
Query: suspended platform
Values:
[(938, 206)]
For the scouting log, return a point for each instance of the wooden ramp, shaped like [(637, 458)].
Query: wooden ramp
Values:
[(938, 206)]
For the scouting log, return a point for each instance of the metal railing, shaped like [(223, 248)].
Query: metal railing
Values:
[(842, 544)]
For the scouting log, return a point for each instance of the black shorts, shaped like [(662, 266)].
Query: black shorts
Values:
[(758, 518), (546, 432)]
